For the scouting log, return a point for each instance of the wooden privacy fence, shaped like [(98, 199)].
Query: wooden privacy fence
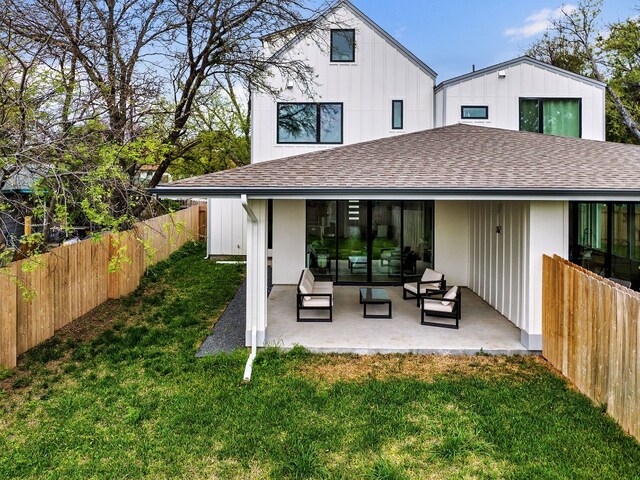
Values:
[(590, 333), (71, 280)]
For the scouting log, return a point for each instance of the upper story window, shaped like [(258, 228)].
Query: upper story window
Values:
[(468, 112), (397, 114), (343, 45), (309, 122), (553, 116)]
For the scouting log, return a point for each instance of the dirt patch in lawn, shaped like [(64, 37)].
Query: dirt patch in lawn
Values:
[(335, 368)]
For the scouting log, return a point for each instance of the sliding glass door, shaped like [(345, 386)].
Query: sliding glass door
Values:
[(386, 241), (353, 251), (365, 242)]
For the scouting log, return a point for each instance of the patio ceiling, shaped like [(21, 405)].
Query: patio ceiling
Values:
[(454, 161)]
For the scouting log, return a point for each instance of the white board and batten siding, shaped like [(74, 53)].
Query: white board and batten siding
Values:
[(507, 242), (501, 87), (381, 73), (227, 227)]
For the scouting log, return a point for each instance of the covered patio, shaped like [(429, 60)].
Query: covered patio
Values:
[(482, 328), (490, 204)]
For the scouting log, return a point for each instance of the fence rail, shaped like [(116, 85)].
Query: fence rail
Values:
[(591, 334), (71, 280)]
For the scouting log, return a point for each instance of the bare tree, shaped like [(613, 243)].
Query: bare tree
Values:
[(128, 76)]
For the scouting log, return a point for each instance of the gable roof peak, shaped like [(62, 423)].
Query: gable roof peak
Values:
[(517, 61), (365, 19)]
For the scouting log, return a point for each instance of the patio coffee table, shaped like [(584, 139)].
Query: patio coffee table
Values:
[(374, 296), (356, 261)]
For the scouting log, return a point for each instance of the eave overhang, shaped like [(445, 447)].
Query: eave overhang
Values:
[(400, 193)]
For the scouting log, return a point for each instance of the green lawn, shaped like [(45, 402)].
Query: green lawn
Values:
[(120, 394)]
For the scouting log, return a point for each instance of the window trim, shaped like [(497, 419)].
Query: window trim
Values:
[(353, 47), (318, 128), (486, 112), (393, 103), (540, 101)]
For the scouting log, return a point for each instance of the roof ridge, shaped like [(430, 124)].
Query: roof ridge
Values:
[(515, 61)]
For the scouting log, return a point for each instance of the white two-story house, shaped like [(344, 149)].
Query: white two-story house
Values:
[(382, 173)]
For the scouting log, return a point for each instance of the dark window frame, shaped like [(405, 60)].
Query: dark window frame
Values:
[(353, 46), (540, 101), (393, 104), (610, 257), (318, 123), (486, 112)]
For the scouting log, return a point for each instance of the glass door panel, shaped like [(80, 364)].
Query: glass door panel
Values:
[(386, 247), (321, 239), (353, 253), (418, 232)]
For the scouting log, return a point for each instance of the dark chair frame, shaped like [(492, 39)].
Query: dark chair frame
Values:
[(300, 305), (456, 313), (417, 296)]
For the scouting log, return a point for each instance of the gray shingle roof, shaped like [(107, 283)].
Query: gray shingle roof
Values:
[(448, 160)]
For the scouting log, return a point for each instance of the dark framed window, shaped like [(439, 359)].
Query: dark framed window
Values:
[(605, 238), (474, 112), (397, 114), (343, 45), (310, 123), (552, 116)]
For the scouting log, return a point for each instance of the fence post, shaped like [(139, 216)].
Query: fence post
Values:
[(202, 221), (8, 317)]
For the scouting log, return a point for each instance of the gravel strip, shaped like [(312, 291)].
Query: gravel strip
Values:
[(229, 331)]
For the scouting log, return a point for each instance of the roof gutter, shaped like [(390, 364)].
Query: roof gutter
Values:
[(401, 193), (248, 368)]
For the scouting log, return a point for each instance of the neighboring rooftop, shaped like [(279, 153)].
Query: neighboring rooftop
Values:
[(452, 160), (517, 61)]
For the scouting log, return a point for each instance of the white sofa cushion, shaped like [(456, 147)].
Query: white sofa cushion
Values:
[(323, 286), (316, 301), (437, 306), (424, 287), (449, 295), (431, 275)]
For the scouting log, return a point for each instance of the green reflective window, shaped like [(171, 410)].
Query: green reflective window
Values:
[(529, 118), (561, 117), (551, 116)]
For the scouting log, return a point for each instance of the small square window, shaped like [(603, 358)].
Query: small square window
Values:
[(475, 113), (397, 114), (343, 45)]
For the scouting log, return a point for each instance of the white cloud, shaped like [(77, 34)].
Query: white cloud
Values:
[(399, 32), (538, 22)]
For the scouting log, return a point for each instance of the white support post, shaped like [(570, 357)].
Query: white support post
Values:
[(548, 235), (256, 277)]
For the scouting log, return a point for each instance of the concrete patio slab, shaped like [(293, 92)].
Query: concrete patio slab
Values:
[(482, 328)]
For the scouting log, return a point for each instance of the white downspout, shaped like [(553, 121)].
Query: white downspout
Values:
[(254, 333)]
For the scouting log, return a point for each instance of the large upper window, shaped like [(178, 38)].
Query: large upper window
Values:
[(309, 123), (343, 45), (552, 116)]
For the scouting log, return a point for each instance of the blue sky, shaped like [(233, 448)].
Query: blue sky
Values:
[(451, 35)]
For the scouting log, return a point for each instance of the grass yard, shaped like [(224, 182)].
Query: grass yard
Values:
[(119, 394)]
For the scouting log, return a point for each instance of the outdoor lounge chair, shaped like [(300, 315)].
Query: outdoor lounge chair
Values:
[(313, 295), (431, 280), (447, 304)]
